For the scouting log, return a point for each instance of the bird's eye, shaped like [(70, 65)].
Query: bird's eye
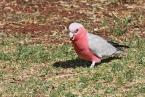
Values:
[(76, 30)]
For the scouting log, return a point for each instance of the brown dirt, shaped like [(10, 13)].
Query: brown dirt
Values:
[(47, 20)]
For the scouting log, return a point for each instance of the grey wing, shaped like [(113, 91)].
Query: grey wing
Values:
[(100, 46)]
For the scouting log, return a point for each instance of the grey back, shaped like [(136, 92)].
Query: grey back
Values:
[(99, 46)]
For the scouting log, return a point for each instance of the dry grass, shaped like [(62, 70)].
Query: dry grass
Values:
[(37, 60)]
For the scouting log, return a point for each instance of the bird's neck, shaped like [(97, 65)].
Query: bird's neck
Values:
[(82, 33), (81, 41)]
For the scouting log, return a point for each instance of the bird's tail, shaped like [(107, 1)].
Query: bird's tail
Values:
[(118, 46), (120, 49)]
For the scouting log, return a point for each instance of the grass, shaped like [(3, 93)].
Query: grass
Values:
[(120, 25), (42, 63), (29, 70)]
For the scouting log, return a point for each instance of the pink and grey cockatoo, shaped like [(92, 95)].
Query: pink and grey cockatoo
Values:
[(90, 47)]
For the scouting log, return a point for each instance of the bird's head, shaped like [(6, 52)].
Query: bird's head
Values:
[(75, 29)]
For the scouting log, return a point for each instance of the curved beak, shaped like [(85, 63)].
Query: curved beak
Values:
[(71, 36)]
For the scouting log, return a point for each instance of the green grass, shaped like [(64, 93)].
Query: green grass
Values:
[(41, 63), (29, 70)]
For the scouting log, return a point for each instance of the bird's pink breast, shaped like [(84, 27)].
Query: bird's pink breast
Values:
[(82, 49)]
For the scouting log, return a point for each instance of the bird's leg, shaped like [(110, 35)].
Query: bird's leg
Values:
[(93, 64)]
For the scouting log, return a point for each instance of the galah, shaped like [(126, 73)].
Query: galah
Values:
[(91, 47)]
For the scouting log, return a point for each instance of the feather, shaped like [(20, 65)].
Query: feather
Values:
[(100, 47), (118, 46)]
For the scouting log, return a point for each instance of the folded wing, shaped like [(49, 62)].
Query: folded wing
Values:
[(100, 47)]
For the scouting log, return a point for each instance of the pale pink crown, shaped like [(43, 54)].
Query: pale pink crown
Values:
[(74, 26)]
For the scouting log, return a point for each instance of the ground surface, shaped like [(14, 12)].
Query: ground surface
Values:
[(37, 59)]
